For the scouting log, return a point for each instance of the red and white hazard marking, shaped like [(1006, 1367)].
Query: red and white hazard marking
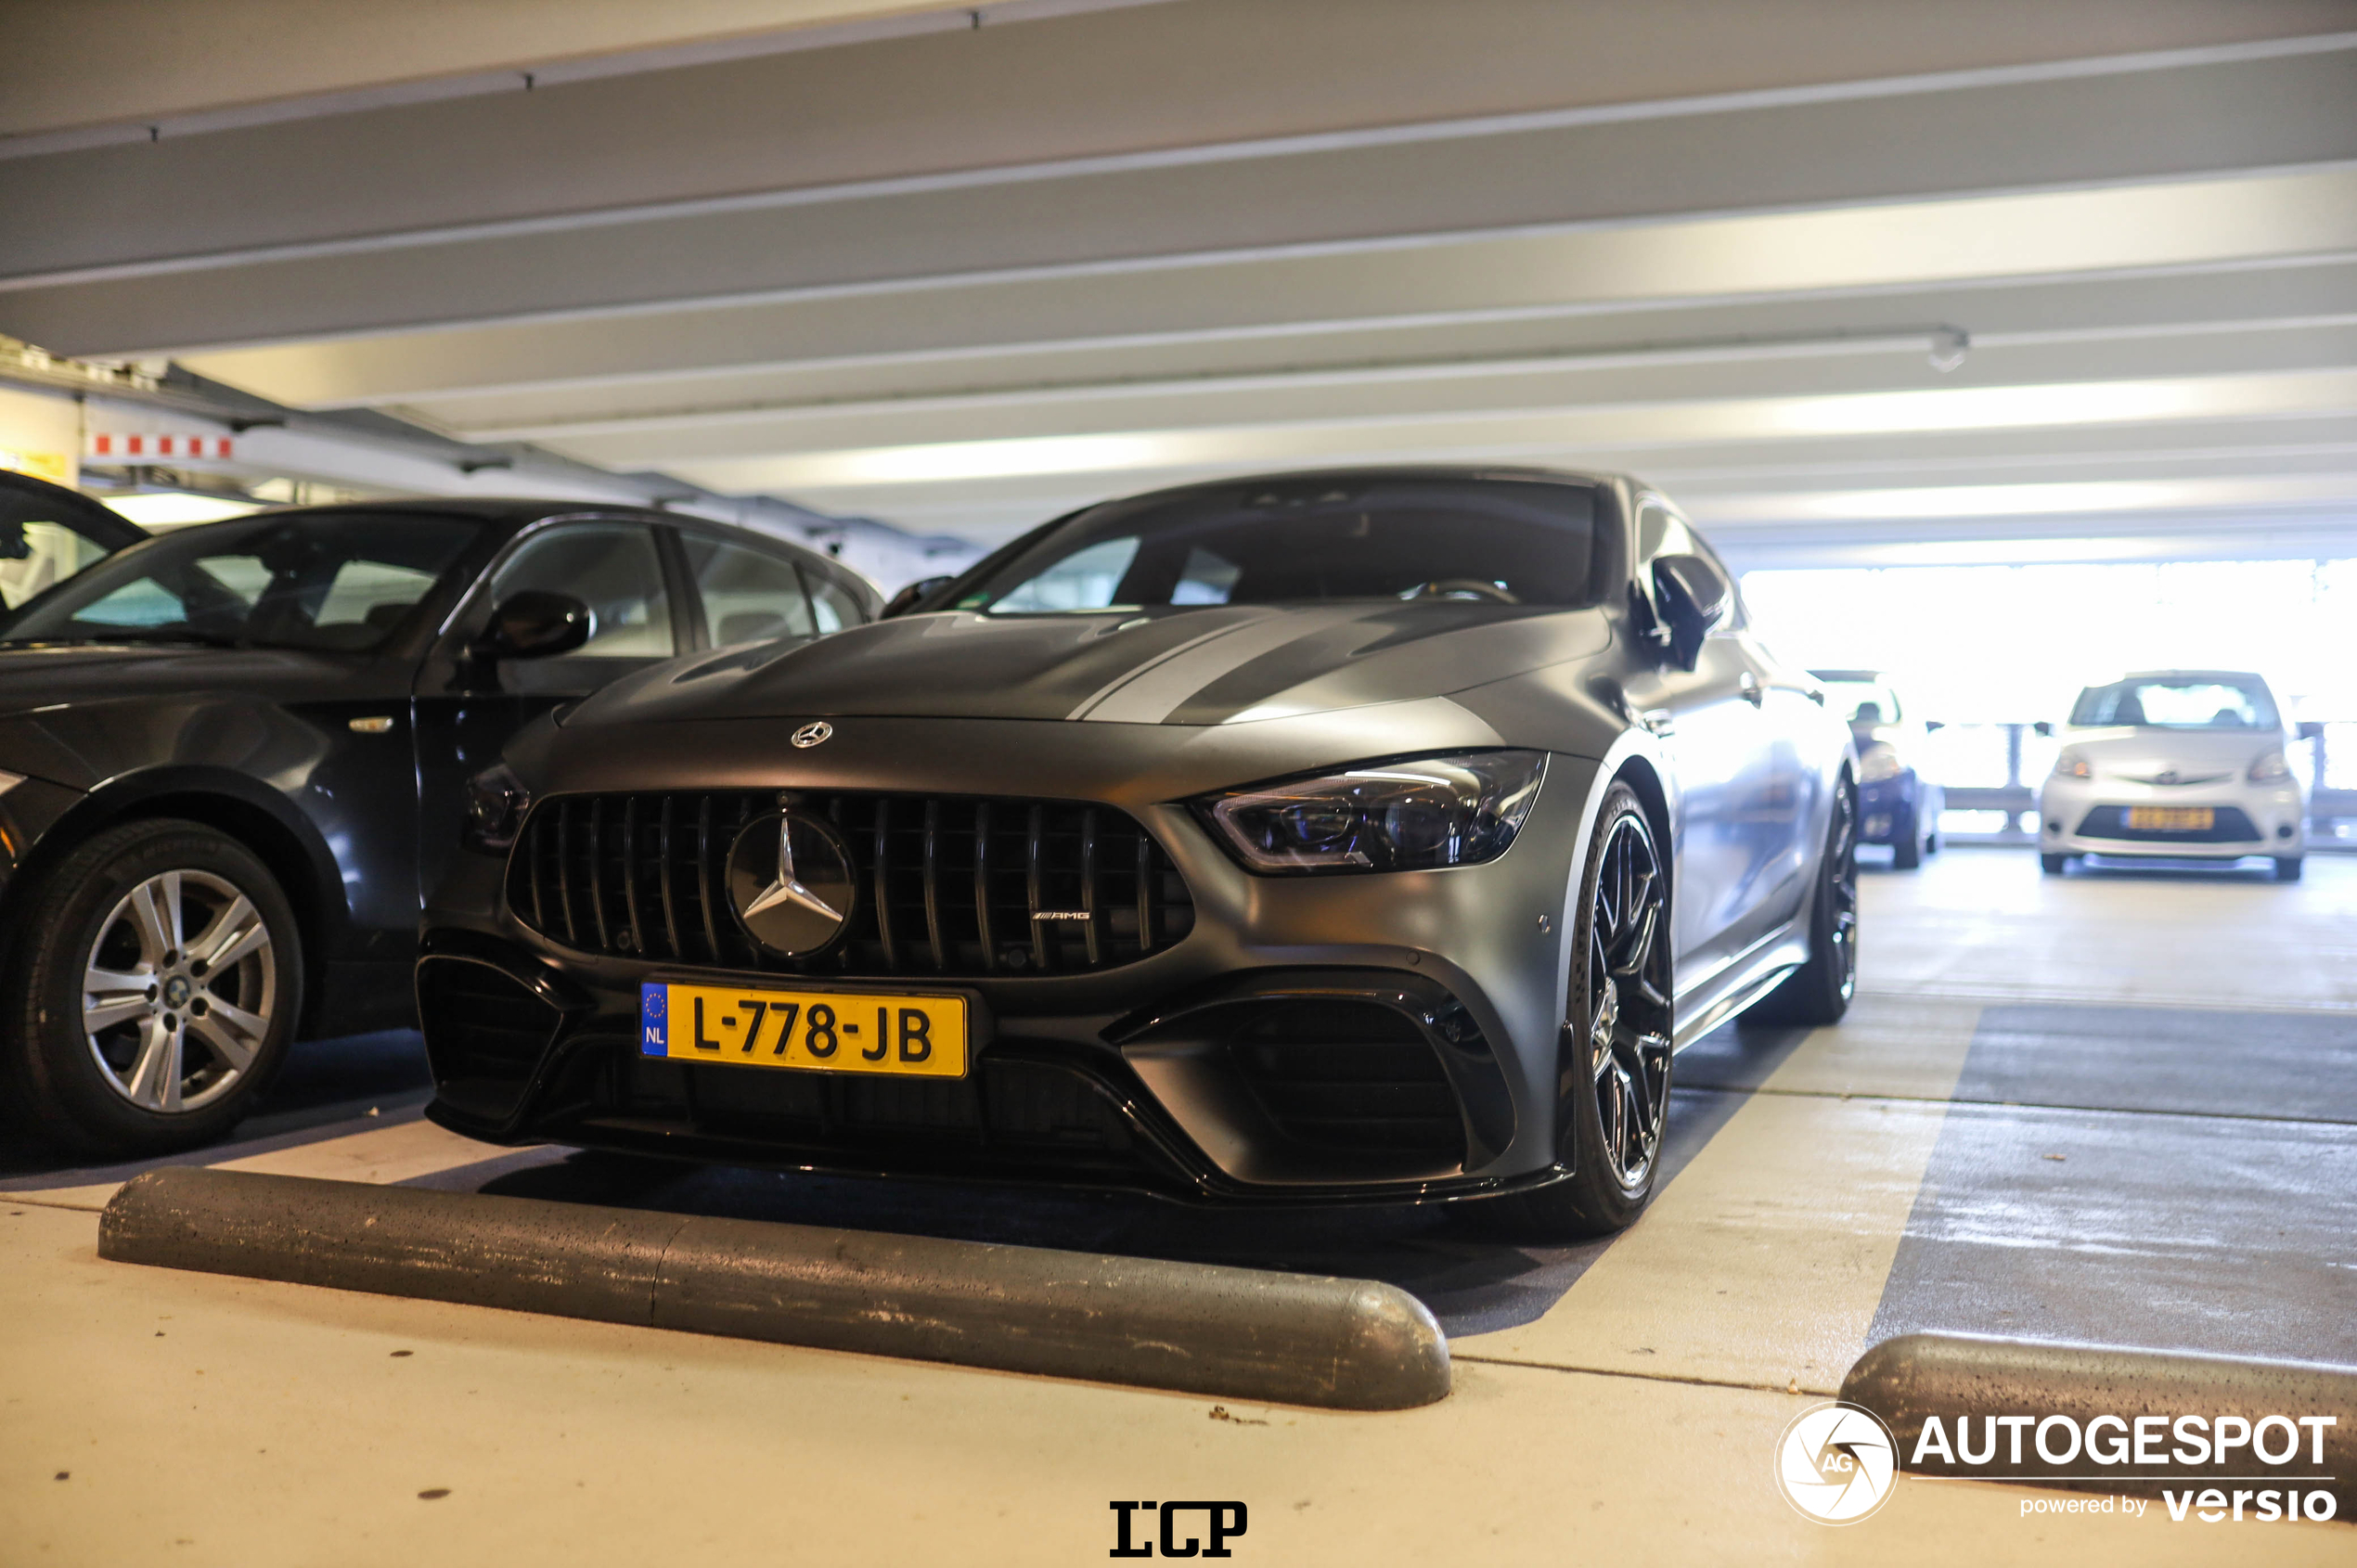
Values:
[(116, 443)]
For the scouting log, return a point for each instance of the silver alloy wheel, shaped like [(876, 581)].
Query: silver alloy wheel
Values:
[(174, 1016), (1627, 1001)]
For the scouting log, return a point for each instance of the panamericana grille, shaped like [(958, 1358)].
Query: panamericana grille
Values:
[(946, 885)]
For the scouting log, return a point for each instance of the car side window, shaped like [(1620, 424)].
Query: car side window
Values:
[(1654, 526), (34, 554), (748, 595), (835, 604), (612, 568)]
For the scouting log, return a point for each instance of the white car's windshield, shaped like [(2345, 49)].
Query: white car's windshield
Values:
[(2178, 702)]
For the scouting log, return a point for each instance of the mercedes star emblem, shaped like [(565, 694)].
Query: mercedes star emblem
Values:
[(790, 881), (811, 735)]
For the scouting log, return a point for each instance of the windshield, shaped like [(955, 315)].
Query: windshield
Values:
[(1501, 541), (336, 581), (2179, 703)]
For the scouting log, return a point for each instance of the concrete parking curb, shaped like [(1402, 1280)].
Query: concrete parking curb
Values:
[(1240, 1333), (1914, 1379)]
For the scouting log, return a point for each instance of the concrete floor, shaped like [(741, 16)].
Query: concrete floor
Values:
[(2116, 1105)]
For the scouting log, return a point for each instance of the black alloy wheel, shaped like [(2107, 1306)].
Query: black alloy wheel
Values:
[(155, 994), (1820, 990), (1613, 1086)]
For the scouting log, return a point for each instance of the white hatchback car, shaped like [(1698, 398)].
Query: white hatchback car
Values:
[(2174, 763)]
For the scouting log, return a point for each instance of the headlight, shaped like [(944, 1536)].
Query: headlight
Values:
[(2070, 764), (2271, 769), (1879, 762), (1412, 815), (497, 801)]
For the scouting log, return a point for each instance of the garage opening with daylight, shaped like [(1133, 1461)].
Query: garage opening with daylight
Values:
[(1258, 778)]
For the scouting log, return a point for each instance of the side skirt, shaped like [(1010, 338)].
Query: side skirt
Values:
[(1740, 984)]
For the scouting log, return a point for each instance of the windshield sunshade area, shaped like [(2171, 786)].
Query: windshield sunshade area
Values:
[(1511, 542), (2178, 702), (336, 582)]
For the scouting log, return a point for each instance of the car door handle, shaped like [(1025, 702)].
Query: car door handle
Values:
[(1748, 686)]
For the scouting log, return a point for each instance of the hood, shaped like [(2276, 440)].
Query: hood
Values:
[(61, 674), (1207, 666), (2193, 755)]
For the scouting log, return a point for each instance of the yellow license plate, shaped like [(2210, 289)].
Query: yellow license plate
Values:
[(2170, 818), (821, 1031)]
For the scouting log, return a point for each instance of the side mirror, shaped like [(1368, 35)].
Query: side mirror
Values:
[(906, 599), (2042, 727), (1930, 725), (2311, 729), (535, 624), (1693, 598)]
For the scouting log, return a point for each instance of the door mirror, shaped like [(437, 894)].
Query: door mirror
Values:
[(2042, 727), (1693, 598), (2311, 729), (906, 599), (535, 624), (1930, 725)]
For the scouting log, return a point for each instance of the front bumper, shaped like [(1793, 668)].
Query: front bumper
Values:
[(1405, 998), (2090, 817)]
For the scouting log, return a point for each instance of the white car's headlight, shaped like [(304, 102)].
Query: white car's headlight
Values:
[(2270, 768), (1419, 815), (1879, 762), (2070, 764)]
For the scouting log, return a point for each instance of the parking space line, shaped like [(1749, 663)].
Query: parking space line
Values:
[(1763, 1265), (379, 1156)]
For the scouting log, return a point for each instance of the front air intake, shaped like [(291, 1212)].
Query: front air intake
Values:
[(1347, 1076)]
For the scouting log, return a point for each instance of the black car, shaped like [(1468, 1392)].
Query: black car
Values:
[(1346, 835), (231, 757), (49, 532)]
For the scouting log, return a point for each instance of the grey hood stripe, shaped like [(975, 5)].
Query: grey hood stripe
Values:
[(1153, 693)]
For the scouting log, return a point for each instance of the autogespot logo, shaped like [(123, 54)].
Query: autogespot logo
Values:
[(1836, 1463)]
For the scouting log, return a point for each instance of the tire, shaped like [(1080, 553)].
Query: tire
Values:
[(177, 913), (2287, 869), (1615, 1039), (1906, 844), (1818, 992), (2053, 863)]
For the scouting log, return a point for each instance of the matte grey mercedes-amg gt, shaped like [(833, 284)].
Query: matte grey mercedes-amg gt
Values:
[(1368, 834)]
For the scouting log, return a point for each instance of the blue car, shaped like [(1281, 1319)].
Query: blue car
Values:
[(1896, 805)]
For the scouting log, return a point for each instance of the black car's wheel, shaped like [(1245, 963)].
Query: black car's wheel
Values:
[(1906, 842), (1617, 1031), (158, 986), (1818, 992)]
